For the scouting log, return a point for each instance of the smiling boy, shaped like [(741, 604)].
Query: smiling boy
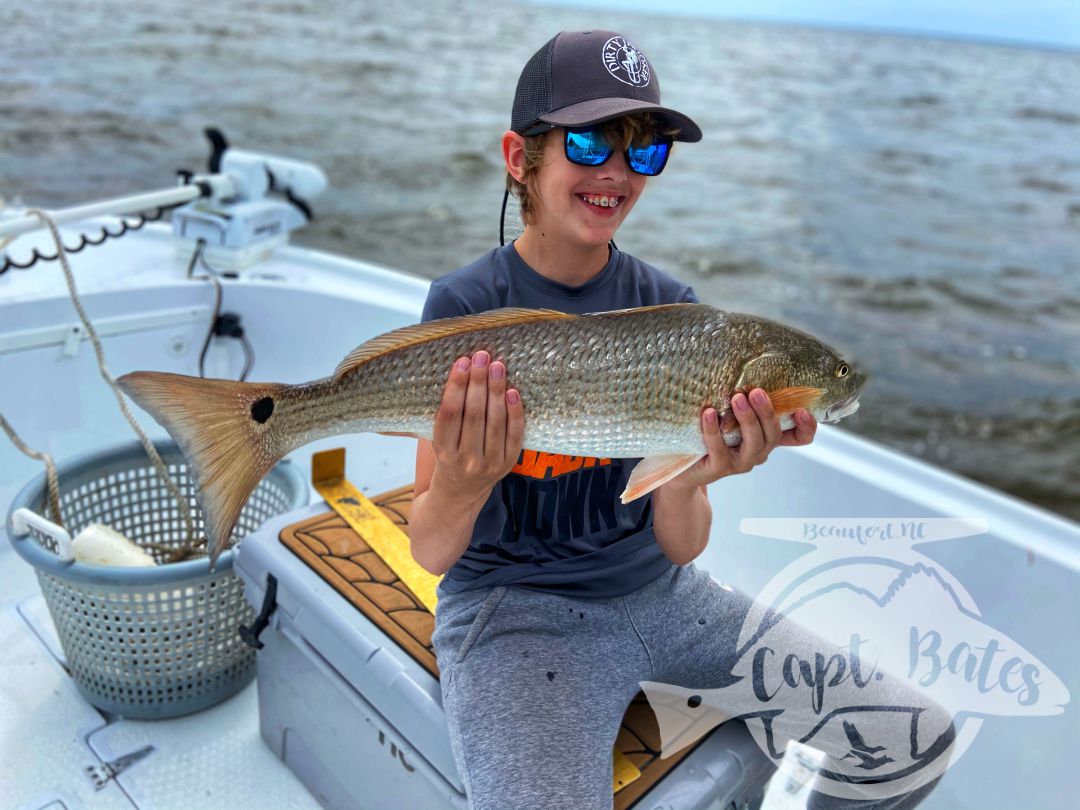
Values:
[(558, 599)]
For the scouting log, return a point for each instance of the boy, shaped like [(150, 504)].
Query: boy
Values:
[(536, 677)]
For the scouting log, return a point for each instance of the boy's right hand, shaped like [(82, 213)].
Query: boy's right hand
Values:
[(478, 429)]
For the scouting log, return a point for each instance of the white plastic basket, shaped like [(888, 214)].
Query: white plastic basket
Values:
[(148, 642)]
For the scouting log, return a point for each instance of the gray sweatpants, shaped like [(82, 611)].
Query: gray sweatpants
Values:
[(535, 685)]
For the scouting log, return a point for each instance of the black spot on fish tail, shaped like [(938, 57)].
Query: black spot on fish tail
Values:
[(581, 615), (261, 409), (551, 676)]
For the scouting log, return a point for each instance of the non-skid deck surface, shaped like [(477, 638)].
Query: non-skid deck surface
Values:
[(340, 556)]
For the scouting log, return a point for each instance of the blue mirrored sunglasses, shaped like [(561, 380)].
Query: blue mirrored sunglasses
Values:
[(587, 146)]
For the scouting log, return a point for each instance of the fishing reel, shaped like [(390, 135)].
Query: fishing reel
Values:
[(246, 227)]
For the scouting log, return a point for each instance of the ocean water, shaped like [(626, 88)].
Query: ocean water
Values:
[(914, 202)]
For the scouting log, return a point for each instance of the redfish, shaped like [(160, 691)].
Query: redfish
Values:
[(623, 384)]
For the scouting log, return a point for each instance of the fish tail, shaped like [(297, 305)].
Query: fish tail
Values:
[(224, 429)]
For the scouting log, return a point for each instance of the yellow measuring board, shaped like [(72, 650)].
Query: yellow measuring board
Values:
[(623, 770), (375, 528)]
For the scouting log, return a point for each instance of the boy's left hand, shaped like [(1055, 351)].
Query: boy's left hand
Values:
[(761, 434)]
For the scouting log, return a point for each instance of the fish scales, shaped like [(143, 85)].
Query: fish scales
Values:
[(594, 385)]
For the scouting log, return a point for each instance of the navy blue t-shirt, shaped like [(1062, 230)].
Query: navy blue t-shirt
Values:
[(555, 523)]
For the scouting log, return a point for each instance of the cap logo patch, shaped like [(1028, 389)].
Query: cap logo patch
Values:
[(626, 63)]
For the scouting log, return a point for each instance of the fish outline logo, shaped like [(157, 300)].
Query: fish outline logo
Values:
[(869, 651)]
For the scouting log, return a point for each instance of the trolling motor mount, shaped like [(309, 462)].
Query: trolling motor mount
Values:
[(245, 228)]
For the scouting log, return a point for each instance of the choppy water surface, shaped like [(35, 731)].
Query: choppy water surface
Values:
[(915, 202)]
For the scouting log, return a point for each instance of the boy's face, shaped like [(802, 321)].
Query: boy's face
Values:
[(570, 196)]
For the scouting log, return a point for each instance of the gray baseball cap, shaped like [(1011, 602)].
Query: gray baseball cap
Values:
[(580, 78)]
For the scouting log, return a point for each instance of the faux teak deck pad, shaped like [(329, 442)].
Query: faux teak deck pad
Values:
[(328, 545)]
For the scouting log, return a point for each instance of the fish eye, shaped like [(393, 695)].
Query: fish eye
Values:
[(842, 370)]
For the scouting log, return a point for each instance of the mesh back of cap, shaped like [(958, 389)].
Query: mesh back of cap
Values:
[(533, 96)]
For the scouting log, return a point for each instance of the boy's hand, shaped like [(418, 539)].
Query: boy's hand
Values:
[(761, 434), (478, 429)]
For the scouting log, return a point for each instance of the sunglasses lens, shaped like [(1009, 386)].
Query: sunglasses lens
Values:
[(649, 159), (586, 147)]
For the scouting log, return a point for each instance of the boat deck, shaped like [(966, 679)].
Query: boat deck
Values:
[(57, 744), (303, 311), (52, 741)]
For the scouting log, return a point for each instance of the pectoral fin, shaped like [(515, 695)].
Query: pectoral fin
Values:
[(653, 471), (789, 400)]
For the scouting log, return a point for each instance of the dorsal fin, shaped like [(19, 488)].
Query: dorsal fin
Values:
[(636, 310), (433, 330)]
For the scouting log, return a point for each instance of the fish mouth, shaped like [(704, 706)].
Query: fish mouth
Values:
[(835, 413)]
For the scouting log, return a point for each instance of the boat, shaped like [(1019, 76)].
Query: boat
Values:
[(301, 310)]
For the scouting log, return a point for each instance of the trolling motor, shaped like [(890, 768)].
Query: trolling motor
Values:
[(243, 228), (229, 209)]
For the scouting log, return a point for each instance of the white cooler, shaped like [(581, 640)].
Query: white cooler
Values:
[(353, 705)]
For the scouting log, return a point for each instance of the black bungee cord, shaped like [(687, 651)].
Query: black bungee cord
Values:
[(84, 240)]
